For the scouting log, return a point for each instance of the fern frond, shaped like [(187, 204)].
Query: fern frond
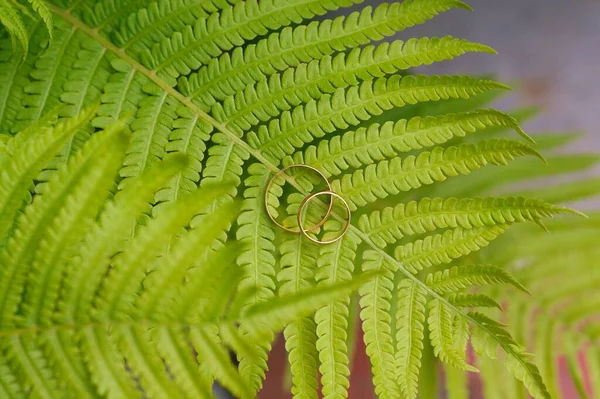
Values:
[(281, 92), (391, 177), (375, 302), (224, 164), (102, 241), (142, 28), (335, 265), (190, 251), (28, 162), (472, 301), (257, 262), (216, 357), (518, 361), (14, 143), (196, 45), (71, 199), (43, 10), (410, 319), (189, 136), (429, 214), (12, 22), (444, 248), (345, 108), (522, 170), (151, 129), (122, 284), (298, 264), (48, 74), (462, 277), (281, 310), (144, 297), (366, 146), (232, 72), (441, 335), (547, 351)]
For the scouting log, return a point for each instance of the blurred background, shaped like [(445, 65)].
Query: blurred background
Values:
[(549, 51)]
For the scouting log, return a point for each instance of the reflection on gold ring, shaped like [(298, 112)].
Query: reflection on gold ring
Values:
[(314, 195)]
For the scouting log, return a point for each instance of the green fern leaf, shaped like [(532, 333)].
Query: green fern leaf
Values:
[(216, 357), (75, 193), (143, 249), (429, 214), (257, 262), (28, 162), (359, 103), (288, 48), (391, 177), (190, 250), (334, 266), (518, 361), (375, 305), (298, 265), (101, 242), (41, 7), (151, 23), (12, 22), (281, 310), (192, 46), (462, 277), (440, 333), (281, 92), (444, 248), (473, 300), (377, 142), (223, 81), (409, 336)]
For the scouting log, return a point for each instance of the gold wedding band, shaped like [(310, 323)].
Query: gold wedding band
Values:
[(314, 195), (268, 190)]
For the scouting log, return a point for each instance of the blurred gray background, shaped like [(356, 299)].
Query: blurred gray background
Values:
[(548, 49)]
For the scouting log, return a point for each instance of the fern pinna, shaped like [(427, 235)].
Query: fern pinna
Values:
[(244, 88)]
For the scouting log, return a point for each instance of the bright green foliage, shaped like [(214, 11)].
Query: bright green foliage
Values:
[(378, 142), (562, 319), (441, 334), (460, 278), (298, 264), (392, 224), (392, 177), (81, 320), (11, 20), (376, 323), (410, 320), (335, 265), (120, 265)]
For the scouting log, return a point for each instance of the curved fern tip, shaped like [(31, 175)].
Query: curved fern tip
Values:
[(482, 48), (522, 133), (538, 154), (463, 5), (502, 86), (571, 211)]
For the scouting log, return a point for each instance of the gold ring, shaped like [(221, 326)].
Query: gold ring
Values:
[(268, 190), (314, 195)]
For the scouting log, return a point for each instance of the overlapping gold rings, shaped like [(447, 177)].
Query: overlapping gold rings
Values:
[(301, 210)]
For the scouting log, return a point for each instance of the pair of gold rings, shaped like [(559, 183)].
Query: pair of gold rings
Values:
[(300, 215)]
